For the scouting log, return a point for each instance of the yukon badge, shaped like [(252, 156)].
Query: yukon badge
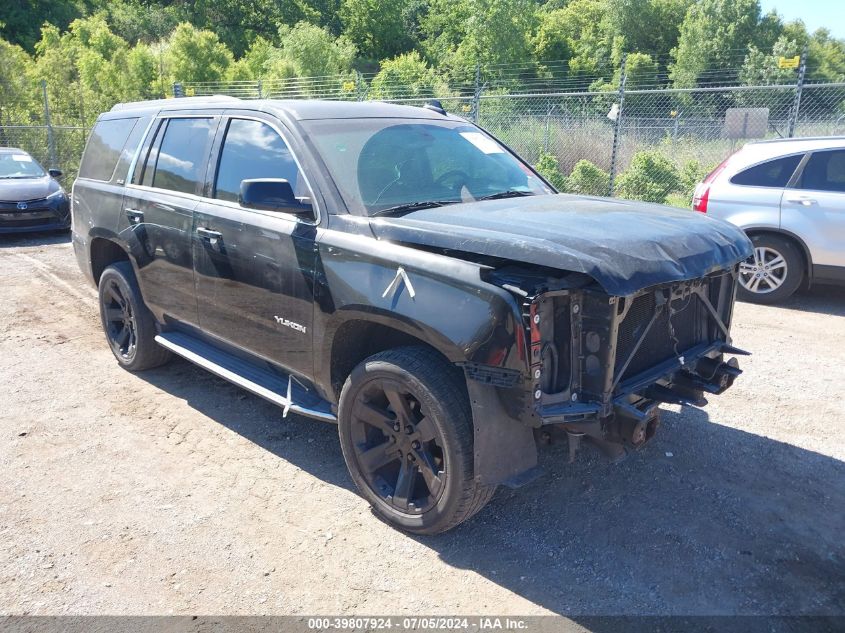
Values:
[(294, 326)]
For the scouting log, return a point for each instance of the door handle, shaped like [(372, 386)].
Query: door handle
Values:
[(802, 200), (212, 236), (135, 216)]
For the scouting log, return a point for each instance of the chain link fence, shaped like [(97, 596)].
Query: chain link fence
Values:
[(652, 144), (649, 143), (28, 121)]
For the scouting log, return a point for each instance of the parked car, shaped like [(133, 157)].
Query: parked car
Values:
[(30, 197), (400, 272), (788, 195)]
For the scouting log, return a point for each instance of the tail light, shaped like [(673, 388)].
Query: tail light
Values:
[(700, 197), (702, 192)]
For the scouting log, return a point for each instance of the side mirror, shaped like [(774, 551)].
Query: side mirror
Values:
[(55, 173), (272, 194)]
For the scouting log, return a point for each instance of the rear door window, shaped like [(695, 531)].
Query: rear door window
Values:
[(108, 139), (773, 173), (253, 149), (181, 157), (825, 171)]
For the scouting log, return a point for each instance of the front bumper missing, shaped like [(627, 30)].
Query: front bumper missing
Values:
[(629, 355)]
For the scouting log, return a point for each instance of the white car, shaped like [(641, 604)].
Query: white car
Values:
[(788, 195)]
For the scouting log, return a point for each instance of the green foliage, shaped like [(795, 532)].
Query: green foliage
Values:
[(691, 173), (549, 168), (20, 22), (309, 51), (459, 35), (588, 179), (637, 20), (580, 32), (196, 55), (377, 27), (651, 177), (406, 76), (710, 36), (18, 102)]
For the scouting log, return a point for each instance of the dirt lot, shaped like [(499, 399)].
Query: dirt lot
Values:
[(174, 492)]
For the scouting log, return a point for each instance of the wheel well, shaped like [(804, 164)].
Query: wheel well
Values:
[(356, 340), (104, 253), (802, 248)]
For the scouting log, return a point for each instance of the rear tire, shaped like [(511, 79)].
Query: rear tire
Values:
[(773, 273), (129, 325), (406, 432)]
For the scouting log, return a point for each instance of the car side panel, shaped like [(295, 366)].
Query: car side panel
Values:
[(819, 218), (745, 206), (358, 277)]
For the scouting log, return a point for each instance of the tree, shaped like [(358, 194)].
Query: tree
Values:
[(253, 65), (309, 51), (19, 98), (406, 76), (637, 21), (20, 22), (194, 55), (713, 36), (376, 27), (462, 33), (580, 33)]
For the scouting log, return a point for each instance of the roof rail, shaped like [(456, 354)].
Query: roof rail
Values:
[(133, 105)]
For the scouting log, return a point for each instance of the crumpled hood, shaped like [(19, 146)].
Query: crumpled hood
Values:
[(16, 189), (624, 245)]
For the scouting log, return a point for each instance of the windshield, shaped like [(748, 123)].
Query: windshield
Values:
[(19, 165), (382, 165)]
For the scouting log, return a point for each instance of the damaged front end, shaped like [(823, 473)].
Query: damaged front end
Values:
[(600, 365)]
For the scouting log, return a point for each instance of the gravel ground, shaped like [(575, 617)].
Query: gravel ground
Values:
[(172, 491)]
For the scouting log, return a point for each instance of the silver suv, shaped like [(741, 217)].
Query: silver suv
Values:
[(788, 195)]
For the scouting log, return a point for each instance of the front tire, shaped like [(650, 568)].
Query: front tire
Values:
[(129, 325), (406, 433), (773, 273)]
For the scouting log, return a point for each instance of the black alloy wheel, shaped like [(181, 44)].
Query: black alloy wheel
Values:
[(120, 324), (406, 430), (129, 325), (397, 447)]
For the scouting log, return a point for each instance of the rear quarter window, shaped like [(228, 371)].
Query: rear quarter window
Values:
[(107, 142), (772, 173)]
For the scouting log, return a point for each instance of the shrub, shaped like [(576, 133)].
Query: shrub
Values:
[(549, 169), (651, 177), (588, 179)]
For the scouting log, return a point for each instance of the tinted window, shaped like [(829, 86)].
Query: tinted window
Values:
[(180, 162), (825, 171), (379, 163), (254, 150), (774, 173), (129, 149), (107, 140)]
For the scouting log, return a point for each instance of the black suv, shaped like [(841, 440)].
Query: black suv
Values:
[(399, 271)]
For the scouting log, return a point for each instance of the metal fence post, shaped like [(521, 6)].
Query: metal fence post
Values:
[(617, 125), (476, 94), (259, 87), (51, 139), (796, 105)]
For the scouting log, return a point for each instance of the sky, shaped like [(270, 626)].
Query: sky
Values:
[(814, 13)]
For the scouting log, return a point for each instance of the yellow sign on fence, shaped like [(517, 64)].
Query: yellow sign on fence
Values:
[(789, 62)]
